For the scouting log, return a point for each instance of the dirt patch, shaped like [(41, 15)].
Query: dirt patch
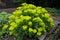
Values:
[(9, 10), (56, 19)]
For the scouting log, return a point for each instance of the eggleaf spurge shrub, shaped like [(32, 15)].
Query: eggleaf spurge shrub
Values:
[(29, 20)]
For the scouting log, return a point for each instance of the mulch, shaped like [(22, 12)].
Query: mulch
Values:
[(9, 10)]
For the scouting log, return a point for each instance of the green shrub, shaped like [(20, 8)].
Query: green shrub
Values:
[(29, 20), (53, 11), (3, 22)]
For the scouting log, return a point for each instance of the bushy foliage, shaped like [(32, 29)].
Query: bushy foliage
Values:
[(54, 11), (29, 20), (3, 18), (3, 22)]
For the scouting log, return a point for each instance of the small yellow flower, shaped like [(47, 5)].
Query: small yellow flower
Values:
[(50, 20), (19, 7), (44, 10), (17, 12), (30, 23), (27, 18), (37, 19), (18, 20), (29, 10), (46, 15), (39, 11), (31, 6), (16, 17), (25, 7), (11, 28), (13, 23), (25, 11), (24, 27), (36, 14), (39, 7), (22, 17), (12, 17), (30, 29), (40, 29), (42, 24), (28, 6), (33, 11), (42, 15), (14, 12), (38, 33), (5, 27), (34, 30)]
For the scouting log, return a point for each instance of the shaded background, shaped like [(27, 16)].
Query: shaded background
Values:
[(43, 3)]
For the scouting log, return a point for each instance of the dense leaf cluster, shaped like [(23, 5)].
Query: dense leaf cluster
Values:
[(29, 20), (3, 22)]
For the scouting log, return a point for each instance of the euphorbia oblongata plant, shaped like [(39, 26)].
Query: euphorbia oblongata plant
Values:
[(29, 20)]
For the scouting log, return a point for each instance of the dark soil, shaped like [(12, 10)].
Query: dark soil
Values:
[(9, 10)]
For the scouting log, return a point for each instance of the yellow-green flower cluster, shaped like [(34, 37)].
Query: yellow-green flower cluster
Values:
[(24, 27), (13, 25), (5, 27), (30, 18), (30, 23)]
